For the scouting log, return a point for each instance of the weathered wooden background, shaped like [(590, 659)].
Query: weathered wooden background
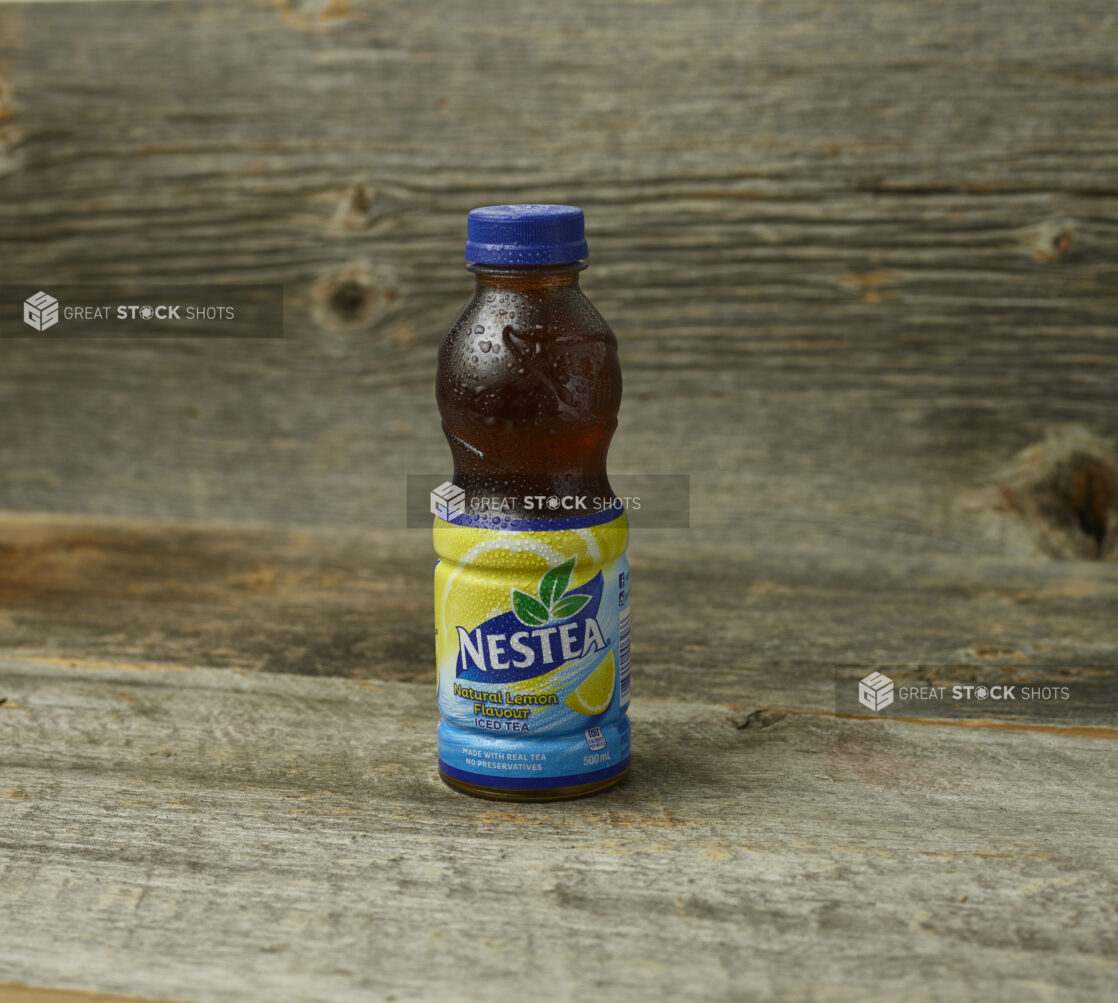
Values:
[(862, 260), (859, 255)]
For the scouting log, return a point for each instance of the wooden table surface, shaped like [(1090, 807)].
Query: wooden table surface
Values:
[(862, 260), (219, 781)]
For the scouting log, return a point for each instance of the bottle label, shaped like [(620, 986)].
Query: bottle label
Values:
[(532, 645)]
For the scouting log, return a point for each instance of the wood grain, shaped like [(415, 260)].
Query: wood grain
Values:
[(11, 992), (211, 835), (749, 626), (862, 259), (860, 256)]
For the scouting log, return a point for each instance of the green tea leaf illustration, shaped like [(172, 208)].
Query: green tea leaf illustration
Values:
[(528, 609), (555, 582), (568, 606)]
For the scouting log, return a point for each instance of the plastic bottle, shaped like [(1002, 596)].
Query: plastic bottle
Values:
[(532, 583)]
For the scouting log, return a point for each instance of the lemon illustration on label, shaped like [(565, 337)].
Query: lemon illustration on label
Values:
[(596, 691), (477, 568)]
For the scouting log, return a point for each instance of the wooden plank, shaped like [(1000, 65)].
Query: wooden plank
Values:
[(207, 834), (11, 992), (713, 619), (859, 255)]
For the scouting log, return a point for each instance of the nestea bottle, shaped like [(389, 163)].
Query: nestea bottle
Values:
[(532, 582)]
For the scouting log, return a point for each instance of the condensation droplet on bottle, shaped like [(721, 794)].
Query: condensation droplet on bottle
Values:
[(485, 345), (480, 329)]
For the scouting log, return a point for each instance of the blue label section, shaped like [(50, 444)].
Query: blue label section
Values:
[(519, 782), (546, 761)]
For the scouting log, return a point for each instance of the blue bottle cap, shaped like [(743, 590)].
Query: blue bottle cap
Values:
[(525, 235)]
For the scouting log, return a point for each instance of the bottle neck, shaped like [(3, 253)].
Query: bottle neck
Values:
[(524, 277)]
